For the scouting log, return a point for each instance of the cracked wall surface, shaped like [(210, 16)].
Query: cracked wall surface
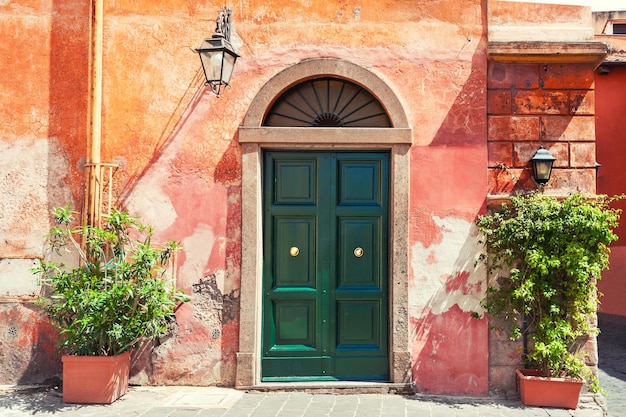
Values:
[(180, 161)]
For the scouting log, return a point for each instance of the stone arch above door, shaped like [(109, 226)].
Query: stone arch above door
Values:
[(317, 68), (254, 138)]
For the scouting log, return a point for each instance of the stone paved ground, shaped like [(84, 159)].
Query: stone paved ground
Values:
[(612, 358), (224, 402)]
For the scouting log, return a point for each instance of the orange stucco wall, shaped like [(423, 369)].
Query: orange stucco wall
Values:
[(44, 66), (182, 171), (180, 162)]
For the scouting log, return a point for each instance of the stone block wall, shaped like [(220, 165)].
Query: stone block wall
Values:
[(531, 105), (536, 104)]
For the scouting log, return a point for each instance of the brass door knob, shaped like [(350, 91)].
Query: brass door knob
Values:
[(358, 252), (294, 251)]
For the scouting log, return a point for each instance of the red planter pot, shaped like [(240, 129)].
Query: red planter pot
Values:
[(537, 390), (95, 379)]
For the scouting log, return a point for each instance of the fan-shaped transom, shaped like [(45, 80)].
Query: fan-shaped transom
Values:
[(327, 102)]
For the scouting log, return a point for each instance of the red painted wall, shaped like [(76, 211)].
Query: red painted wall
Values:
[(611, 149), (180, 161)]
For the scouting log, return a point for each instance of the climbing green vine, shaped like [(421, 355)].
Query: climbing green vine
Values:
[(544, 256)]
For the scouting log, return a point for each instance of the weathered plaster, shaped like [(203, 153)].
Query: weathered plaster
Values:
[(449, 346), (527, 21), (450, 354), (32, 183), (148, 198), (27, 345), (188, 170), (446, 274), (198, 213)]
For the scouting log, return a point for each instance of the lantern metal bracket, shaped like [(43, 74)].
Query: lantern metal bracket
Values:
[(222, 23)]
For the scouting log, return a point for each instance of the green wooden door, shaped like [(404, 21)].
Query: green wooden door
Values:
[(325, 267)]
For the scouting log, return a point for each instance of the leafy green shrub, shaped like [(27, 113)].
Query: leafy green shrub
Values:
[(117, 295), (553, 252)]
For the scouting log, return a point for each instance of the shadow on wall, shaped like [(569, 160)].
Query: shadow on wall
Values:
[(612, 350), (58, 163), (37, 334), (193, 95), (450, 347), (205, 215)]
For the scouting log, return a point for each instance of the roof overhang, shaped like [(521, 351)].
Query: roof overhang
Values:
[(592, 52)]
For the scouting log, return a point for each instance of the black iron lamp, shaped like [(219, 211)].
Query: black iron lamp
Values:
[(217, 55), (542, 165)]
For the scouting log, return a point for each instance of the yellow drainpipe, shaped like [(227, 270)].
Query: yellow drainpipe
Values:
[(93, 166)]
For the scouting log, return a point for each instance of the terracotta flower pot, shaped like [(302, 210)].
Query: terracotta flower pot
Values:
[(537, 390), (95, 379)]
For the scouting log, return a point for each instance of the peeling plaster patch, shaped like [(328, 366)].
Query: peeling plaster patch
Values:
[(198, 247), (19, 280), (209, 297), (445, 274), (27, 345), (152, 202), (32, 180), (208, 300)]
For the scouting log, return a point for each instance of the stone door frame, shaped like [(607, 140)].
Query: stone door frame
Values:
[(254, 138)]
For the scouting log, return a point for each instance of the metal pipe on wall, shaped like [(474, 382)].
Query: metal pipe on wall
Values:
[(91, 212)]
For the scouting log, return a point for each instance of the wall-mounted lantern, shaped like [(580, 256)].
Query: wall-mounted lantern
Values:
[(542, 165), (217, 55)]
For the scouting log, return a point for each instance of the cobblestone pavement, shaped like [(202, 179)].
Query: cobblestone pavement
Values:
[(225, 402), (612, 358)]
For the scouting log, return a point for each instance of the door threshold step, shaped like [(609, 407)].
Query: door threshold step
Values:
[(334, 387)]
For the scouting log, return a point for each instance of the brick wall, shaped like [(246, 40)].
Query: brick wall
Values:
[(549, 105)]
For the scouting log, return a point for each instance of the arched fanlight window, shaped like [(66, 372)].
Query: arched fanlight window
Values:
[(327, 102)]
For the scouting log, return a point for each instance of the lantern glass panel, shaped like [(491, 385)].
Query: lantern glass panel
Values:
[(542, 169), (228, 66)]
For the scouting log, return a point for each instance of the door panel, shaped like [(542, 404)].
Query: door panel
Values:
[(295, 263), (360, 183), (295, 182), (294, 324), (325, 301), (359, 324), (358, 263)]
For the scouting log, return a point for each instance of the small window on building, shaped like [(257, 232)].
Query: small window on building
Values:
[(619, 28)]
